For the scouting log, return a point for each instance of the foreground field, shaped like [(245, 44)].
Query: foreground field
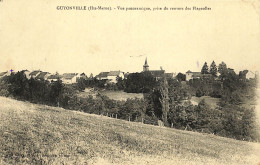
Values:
[(38, 134)]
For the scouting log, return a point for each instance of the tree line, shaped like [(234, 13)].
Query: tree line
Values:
[(167, 100)]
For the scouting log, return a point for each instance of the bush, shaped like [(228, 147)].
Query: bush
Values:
[(4, 88)]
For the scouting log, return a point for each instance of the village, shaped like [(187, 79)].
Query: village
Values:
[(194, 101), (111, 76), (93, 82)]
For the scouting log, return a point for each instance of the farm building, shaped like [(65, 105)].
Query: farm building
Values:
[(110, 76), (70, 78), (53, 78), (35, 73), (196, 75), (42, 76), (27, 73)]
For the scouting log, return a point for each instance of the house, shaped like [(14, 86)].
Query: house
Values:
[(192, 75), (251, 75), (102, 76), (35, 73), (27, 73), (196, 75), (53, 78), (158, 74), (42, 76), (70, 78), (113, 75), (83, 75), (110, 76)]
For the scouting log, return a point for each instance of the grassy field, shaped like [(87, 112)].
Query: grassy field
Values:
[(38, 134), (212, 102), (115, 95)]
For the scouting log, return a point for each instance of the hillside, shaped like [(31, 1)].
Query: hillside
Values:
[(38, 134)]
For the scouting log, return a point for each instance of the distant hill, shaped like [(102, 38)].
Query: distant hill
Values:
[(39, 134)]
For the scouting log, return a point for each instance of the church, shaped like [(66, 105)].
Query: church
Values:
[(158, 74)]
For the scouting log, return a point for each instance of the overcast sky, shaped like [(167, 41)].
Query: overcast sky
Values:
[(34, 35)]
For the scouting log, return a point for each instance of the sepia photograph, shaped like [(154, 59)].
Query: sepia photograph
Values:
[(123, 82)]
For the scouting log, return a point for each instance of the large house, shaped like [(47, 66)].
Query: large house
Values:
[(35, 73), (102, 76), (27, 73), (158, 74), (251, 75), (196, 75), (70, 78), (42, 76), (113, 75), (67, 78), (53, 78), (110, 76)]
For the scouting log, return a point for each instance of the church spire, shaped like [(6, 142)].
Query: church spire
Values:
[(145, 66)]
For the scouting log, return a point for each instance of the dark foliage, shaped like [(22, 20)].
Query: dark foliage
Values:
[(229, 119), (205, 69), (140, 83), (181, 77)]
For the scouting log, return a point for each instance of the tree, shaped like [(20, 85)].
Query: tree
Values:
[(205, 69), (203, 113), (213, 69), (222, 69), (56, 91), (181, 77), (242, 74), (140, 83), (81, 84), (19, 86), (120, 83), (4, 88), (164, 100)]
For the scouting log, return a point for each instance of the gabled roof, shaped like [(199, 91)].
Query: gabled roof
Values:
[(56, 76), (34, 73), (114, 73), (41, 75), (3, 73), (196, 74), (25, 70), (69, 75), (82, 74), (102, 74), (157, 73)]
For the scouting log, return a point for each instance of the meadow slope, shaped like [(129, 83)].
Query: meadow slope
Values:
[(39, 134)]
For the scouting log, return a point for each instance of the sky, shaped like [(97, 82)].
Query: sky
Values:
[(34, 35)]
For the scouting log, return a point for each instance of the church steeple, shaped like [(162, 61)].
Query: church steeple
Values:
[(145, 66)]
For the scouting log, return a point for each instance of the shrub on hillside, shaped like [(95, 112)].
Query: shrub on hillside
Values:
[(4, 88)]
